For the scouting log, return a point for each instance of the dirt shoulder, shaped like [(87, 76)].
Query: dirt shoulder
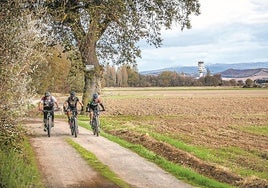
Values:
[(62, 166)]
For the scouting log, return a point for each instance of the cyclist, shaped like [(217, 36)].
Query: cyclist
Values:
[(47, 102), (71, 105), (93, 104)]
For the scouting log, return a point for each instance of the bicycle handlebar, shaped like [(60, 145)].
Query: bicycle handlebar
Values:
[(54, 109)]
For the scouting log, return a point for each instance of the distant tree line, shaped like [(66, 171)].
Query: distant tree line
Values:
[(128, 76)]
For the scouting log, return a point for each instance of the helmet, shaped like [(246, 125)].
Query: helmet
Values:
[(47, 94), (95, 96), (72, 93)]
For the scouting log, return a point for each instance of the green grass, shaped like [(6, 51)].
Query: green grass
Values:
[(19, 170), (179, 172), (97, 165), (258, 130), (236, 159)]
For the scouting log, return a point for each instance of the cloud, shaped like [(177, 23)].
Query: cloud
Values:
[(227, 31)]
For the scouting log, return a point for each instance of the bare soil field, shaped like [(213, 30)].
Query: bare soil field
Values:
[(218, 120)]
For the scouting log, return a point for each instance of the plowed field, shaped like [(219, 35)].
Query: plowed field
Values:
[(230, 128)]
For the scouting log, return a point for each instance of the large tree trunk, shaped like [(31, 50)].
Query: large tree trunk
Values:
[(91, 77)]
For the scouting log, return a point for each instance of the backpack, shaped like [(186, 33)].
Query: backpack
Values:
[(48, 102)]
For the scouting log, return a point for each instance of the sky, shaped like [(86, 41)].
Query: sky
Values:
[(226, 31)]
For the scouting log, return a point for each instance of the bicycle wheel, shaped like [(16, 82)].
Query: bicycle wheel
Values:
[(49, 124), (97, 126), (72, 126), (94, 126), (75, 127)]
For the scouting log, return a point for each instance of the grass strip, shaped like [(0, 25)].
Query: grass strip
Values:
[(179, 172), (93, 161), (19, 169)]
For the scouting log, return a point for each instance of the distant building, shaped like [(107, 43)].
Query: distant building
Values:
[(201, 68)]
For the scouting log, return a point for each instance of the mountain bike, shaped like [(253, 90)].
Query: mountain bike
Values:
[(48, 121), (74, 123), (96, 122)]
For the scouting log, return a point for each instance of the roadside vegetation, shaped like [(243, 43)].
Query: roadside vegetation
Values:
[(19, 169)]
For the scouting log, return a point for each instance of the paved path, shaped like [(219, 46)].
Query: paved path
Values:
[(62, 166)]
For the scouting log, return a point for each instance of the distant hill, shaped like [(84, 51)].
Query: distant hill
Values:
[(252, 74), (236, 73), (213, 68)]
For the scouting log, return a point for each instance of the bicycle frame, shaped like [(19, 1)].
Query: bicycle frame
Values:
[(96, 122), (48, 121), (74, 123)]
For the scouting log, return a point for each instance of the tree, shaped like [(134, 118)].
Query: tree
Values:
[(21, 52), (249, 83), (133, 77), (109, 76), (53, 74), (109, 30)]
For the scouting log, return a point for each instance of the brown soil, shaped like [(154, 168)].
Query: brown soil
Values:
[(214, 119)]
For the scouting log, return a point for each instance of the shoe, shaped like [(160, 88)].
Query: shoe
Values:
[(45, 129), (52, 125)]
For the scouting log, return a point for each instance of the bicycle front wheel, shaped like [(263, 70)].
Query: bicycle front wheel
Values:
[(49, 124), (72, 126), (75, 127), (96, 124)]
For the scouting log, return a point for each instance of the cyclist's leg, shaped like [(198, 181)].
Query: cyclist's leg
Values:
[(44, 116), (68, 113), (44, 120), (90, 116)]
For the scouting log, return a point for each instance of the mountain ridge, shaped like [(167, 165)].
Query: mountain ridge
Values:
[(213, 68)]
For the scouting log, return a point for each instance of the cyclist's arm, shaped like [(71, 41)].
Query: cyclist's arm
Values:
[(65, 105), (81, 104), (102, 106), (40, 106), (57, 104)]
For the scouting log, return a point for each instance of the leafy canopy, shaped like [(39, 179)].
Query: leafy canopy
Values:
[(113, 27)]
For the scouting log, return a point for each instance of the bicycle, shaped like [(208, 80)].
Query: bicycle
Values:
[(74, 123), (48, 121), (96, 122)]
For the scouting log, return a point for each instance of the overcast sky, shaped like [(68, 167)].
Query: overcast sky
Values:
[(227, 31)]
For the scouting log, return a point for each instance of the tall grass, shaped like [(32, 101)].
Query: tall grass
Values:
[(19, 170)]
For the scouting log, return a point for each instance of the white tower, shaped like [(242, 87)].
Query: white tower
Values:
[(201, 68)]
